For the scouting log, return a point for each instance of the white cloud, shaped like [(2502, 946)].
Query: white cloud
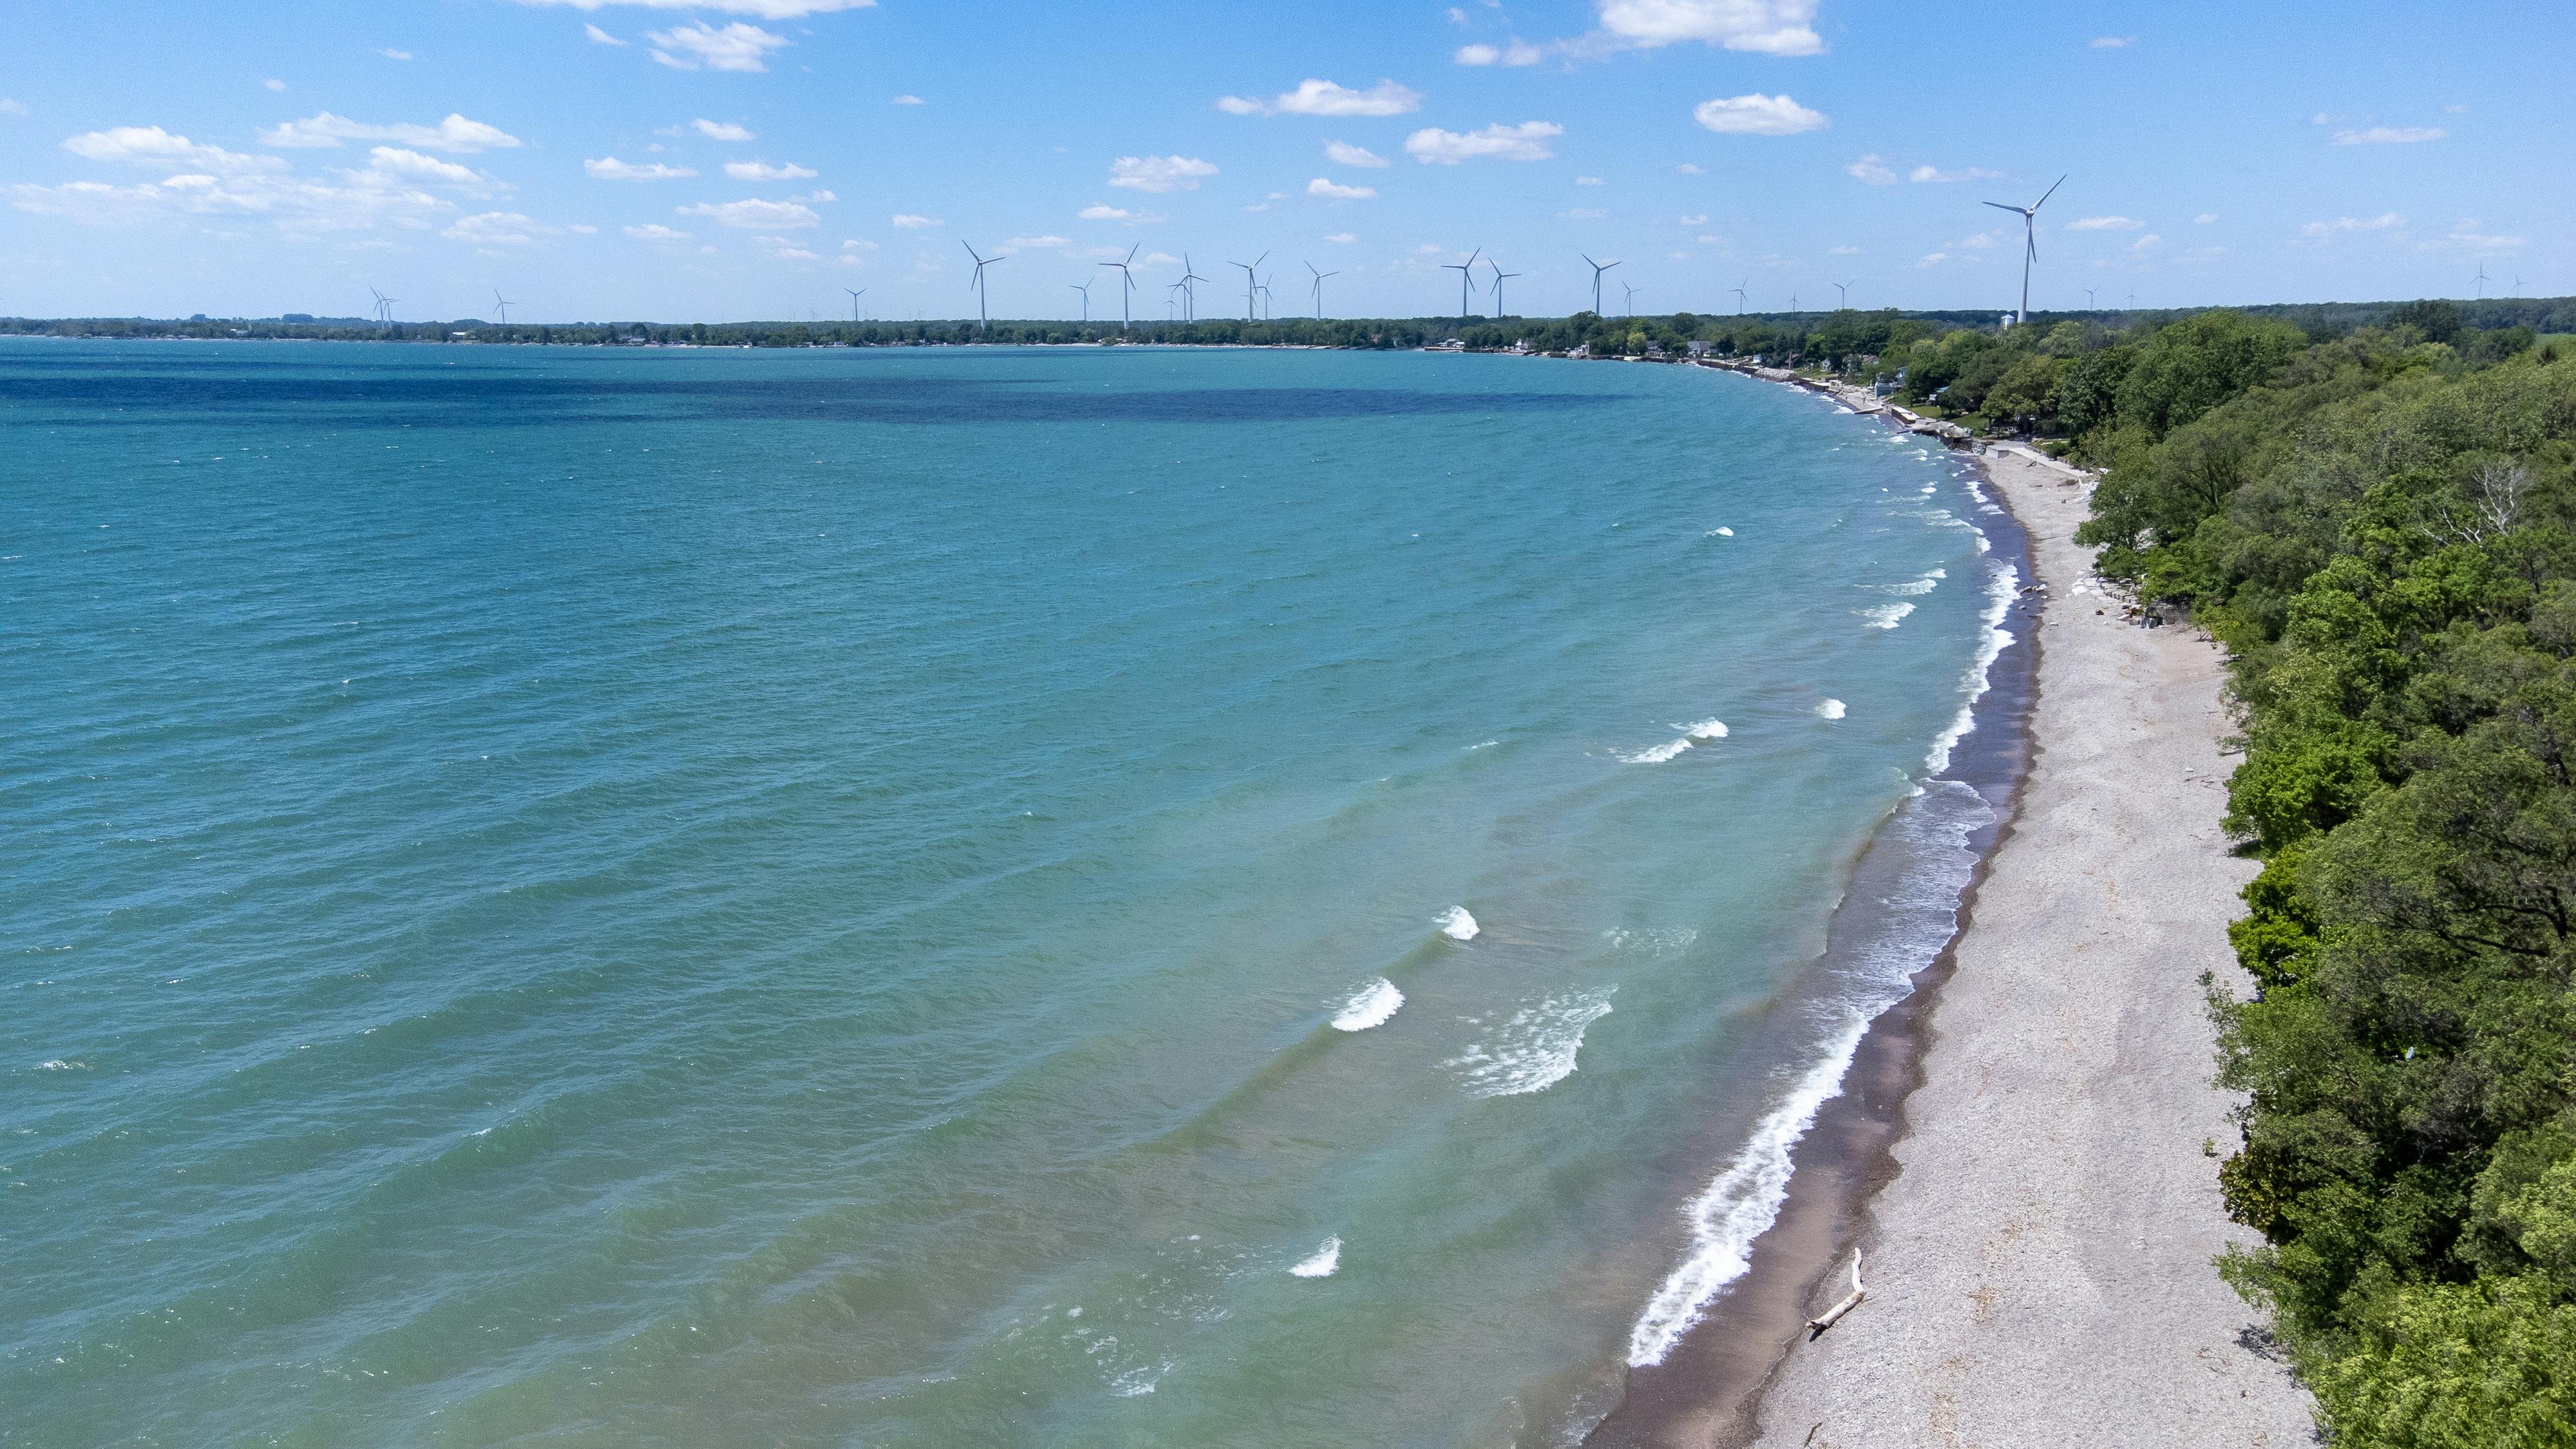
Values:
[(2205, 218), (2105, 223), (2385, 221), (498, 228), (1772, 27), (763, 171), (152, 146), (2466, 234), (272, 83), (1584, 213), (1340, 238), (1324, 98), (1159, 173), (911, 222), (2113, 42), (735, 47), (757, 9), (723, 131), (1031, 243), (609, 168), (1758, 115), (1931, 259), (9, 107), (1872, 169), (2149, 242), (1518, 52), (388, 165), (1334, 189), (1524, 142), (1699, 220), (1980, 242), (855, 243), (1964, 173), (453, 134), (2389, 136), (655, 231), (1845, 251), (774, 215), (906, 100), (298, 207), (601, 37), (1100, 212), (1342, 153), (1589, 181), (396, 54), (1690, 168)]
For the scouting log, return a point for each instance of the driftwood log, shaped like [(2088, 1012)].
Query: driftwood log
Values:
[(1831, 1316)]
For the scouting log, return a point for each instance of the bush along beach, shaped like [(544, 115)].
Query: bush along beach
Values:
[(2381, 528)]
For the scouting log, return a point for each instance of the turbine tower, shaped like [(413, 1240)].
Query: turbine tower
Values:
[(983, 319), (1085, 290), (1499, 277), (1127, 273), (384, 307), (2482, 281), (1738, 290), (854, 302), (2029, 240), (1630, 305), (497, 301), (1842, 291), (1250, 285), (1318, 289), (1189, 290), (1597, 269)]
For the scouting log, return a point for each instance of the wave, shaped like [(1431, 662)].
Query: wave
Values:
[(1535, 1049), (1884, 616), (1370, 1006), (1658, 754), (1652, 943), (1457, 925), (1991, 642), (1327, 1259), (1830, 709), (1707, 729), (1739, 1206), (1719, 533)]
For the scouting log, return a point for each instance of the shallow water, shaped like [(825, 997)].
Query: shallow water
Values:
[(925, 897)]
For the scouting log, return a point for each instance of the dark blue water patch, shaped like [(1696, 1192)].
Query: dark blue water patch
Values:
[(380, 397)]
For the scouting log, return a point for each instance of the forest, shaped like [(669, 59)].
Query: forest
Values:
[(2380, 527)]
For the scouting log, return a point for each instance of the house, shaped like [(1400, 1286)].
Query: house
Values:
[(1702, 349)]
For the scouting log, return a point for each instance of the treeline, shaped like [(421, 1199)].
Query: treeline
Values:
[(2381, 526)]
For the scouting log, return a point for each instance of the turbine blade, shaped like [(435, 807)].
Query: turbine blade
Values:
[(1999, 206), (2051, 191)]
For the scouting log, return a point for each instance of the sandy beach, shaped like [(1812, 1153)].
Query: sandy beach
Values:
[(2039, 1269)]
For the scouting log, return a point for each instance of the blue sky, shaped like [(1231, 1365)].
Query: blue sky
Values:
[(615, 159)]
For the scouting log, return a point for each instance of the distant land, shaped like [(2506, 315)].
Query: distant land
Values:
[(1606, 336)]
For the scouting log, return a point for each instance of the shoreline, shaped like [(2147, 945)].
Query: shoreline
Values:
[(1707, 1389), (1984, 1324)]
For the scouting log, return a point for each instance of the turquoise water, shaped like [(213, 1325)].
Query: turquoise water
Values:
[(861, 897)]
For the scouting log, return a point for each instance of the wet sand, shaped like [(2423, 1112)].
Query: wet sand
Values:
[(2039, 1265)]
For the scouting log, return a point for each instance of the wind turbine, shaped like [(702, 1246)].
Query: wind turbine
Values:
[(1793, 301), (503, 305), (1629, 307), (1127, 272), (1597, 269), (983, 319), (1085, 290), (2482, 281), (384, 307), (1263, 287), (1318, 289), (1461, 268), (1499, 276), (854, 302), (1189, 289), (1843, 291), (1249, 284), (2088, 299), (1738, 290), (2029, 240)]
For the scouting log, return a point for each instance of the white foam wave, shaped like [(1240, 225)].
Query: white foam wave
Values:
[(1457, 925), (1884, 616), (1991, 642), (1739, 1206), (1720, 533), (1658, 754), (1830, 709), (1370, 1006), (1652, 943), (1327, 1258), (1535, 1049), (1707, 729), (1139, 1380)]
